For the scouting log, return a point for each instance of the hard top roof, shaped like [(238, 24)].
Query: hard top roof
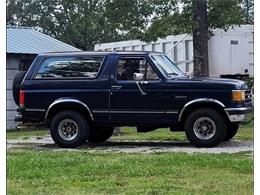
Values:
[(81, 53)]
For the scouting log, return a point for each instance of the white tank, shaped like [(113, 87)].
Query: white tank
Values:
[(231, 52)]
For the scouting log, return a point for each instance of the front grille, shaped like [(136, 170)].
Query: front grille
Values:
[(249, 96)]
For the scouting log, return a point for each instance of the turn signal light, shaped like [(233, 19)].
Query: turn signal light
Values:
[(238, 95)]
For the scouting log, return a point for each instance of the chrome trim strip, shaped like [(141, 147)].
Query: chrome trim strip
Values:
[(135, 111), (239, 90), (237, 117), (197, 101), (100, 111), (243, 117), (237, 109), (180, 96), (34, 110), (171, 112), (128, 112), (62, 100)]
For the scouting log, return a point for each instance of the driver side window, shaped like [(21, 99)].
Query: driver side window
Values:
[(135, 69)]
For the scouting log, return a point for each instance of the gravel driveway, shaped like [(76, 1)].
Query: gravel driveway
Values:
[(136, 146)]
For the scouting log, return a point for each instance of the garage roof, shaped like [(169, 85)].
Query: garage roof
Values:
[(26, 40)]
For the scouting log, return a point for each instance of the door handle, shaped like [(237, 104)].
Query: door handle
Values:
[(116, 87), (140, 88)]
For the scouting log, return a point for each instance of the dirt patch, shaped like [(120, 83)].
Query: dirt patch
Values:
[(136, 146)]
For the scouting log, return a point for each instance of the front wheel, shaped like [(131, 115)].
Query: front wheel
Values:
[(231, 131), (69, 129), (205, 127)]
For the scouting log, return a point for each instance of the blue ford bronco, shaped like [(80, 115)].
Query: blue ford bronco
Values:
[(82, 96)]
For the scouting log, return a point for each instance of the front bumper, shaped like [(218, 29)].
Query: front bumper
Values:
[(243, 114)]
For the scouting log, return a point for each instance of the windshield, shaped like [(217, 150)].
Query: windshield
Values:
[(166, 66)]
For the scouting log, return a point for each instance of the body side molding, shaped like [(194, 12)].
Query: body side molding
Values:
[(68, 100)]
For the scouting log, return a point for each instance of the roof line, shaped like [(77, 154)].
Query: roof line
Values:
[(21, 27), (30, 40)]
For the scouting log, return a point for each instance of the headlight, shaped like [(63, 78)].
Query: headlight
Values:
[(238, 95)]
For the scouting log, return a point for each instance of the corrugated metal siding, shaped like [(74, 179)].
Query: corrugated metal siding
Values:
[(12, 66), (29, 41), (21, 40)]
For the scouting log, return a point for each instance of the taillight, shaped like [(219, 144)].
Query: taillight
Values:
[(22, 93)]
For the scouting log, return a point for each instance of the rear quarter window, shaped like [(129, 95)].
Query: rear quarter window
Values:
[(70, 67)]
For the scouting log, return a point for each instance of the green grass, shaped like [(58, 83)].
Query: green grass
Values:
[(25, 133), (81, 172), (45, 172), (245, 132)]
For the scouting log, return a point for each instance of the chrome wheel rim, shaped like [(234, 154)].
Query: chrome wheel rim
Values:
[(68, 129), (204, 128)]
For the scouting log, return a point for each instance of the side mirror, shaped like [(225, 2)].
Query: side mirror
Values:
[(138, 76), (189, 74)]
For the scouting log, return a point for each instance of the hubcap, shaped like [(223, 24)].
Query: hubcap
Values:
[(204, 128), (68, 129)]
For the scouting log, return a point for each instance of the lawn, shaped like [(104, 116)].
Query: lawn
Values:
[(32, 171), (43, 172)]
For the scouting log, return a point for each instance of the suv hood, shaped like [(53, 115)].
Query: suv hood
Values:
[(214, 82), (219, 80)]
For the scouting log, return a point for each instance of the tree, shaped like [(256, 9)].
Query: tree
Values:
[(200, 38), (248, 6), (82, 23), (198, 17), (22, 12)]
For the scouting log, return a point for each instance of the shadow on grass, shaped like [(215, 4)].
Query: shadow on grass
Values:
[(124, 144), (154, 144), (141, 143)]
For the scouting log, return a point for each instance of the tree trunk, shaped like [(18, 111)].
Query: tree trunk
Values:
[(200, 38)]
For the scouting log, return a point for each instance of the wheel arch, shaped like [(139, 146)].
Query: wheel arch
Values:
[(68, 103), (201, 103)]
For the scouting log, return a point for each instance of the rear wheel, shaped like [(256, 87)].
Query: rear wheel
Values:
[(231, 131), (100, 134), (205, 127), (69, 129)]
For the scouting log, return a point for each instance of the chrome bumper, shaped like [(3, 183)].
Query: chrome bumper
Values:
[(240, 114), (18, 118)]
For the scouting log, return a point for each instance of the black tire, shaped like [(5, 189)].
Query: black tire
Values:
[(100, 134), (205, 120), (231, 131), (16, 86), (69, 119)]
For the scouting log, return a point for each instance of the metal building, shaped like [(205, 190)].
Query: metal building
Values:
[(230, 52), (23, 45)]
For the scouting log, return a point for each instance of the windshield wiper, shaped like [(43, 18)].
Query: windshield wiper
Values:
[(172, 73), (177, 76)]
